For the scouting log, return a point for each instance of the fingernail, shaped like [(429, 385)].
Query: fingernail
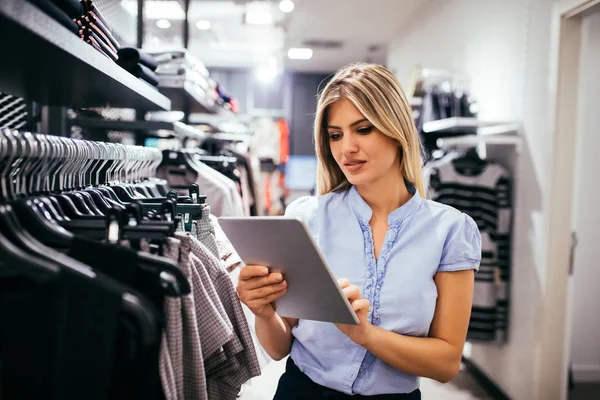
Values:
[(278, 277), (265, 271), (284, 283)]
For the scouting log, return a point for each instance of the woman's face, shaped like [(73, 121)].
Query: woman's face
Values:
[(364, 154)]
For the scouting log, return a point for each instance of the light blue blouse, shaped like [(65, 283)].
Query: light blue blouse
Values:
[(424, 237)]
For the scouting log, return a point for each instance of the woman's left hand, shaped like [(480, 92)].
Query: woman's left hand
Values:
[(358, 333)]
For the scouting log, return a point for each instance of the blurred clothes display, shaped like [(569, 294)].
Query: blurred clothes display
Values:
[(215, 175), (481, 189), (84, 19), (270, 145), (178, 68), (224, 146)]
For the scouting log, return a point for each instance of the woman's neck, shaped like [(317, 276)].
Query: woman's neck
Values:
[(385, 195)]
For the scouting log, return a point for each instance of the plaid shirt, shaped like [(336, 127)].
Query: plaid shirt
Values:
[(205, 231), (181, 363), (226, 377), (227, 253)]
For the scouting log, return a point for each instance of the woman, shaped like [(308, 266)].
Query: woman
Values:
[(406, 264)]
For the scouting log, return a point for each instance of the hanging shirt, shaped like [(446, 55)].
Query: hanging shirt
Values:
[(226, 372), (424, 238), (483, 192)]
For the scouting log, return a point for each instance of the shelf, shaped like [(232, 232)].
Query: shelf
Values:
[(198, 101), (455, 124), (153, 128), (45, 62), (499, 134)]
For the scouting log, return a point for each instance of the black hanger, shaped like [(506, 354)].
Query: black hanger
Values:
[(33, 219), (14, 257)]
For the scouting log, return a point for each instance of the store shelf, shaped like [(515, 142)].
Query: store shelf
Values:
[(455, 124), (499, 134), (153, 128), (45, 62), (199, 103)]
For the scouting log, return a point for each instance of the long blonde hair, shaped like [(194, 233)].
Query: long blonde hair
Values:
[(378, 95)]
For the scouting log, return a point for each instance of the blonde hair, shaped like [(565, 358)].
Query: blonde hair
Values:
[(378, 95)]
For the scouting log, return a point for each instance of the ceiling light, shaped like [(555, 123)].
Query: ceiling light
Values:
[(203, 25), (286, 6), (168, 9), (163, 24), (300, 54), (259, 17), (267, 72)]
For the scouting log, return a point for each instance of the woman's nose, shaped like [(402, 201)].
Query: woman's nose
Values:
[(349, 144)]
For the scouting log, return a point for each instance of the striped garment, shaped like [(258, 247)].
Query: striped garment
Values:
[(483, 192)]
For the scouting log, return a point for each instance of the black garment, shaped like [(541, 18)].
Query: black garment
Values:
[(131, 56), (72, 8), (57, 338), (295, 385), (103, 33), (136, 374), (143, 72), (55, 12), (89, 35)]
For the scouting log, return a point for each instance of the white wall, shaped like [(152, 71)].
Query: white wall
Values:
[(504, 47), (585, 339)]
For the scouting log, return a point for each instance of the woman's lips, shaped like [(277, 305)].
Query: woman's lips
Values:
[(354, 166)]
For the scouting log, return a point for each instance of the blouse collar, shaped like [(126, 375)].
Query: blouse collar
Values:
[(364, 212)]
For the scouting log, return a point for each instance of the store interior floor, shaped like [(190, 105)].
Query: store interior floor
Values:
[(463, 387)]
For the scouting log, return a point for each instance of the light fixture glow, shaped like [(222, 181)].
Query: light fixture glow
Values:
[(266, 73), (286, 6), (168, 9), (259, 17), (163, 24), (300, 53), (203, 25)]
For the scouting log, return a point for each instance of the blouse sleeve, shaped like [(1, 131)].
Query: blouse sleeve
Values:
[(305, 209), (462, 248)]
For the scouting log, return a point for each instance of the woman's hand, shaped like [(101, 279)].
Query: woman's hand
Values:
[(257, 289), (358, 333)]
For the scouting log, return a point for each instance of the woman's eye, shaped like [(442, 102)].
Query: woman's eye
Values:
[(365, 130), (335, 136)]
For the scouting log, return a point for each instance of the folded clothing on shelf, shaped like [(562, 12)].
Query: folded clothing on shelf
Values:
[(87, 33), (129, 56), (145, 73), (180, 58), (91, 20), (57, 13), (73, 8)]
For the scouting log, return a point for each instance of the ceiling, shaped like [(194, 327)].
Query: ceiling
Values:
[(338, 31)]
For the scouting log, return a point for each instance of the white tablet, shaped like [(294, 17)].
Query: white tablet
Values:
[(285, 245)]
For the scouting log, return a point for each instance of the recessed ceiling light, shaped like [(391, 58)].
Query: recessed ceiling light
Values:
[(259, 17), (163, 24), (203, 25), (300, 54), (286, 6)]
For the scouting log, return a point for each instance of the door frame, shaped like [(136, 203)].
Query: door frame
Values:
[(554, 336)]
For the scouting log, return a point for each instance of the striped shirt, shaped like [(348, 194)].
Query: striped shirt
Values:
[(484, 194)]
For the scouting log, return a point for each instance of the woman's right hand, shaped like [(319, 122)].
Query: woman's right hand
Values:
[(257, 289)]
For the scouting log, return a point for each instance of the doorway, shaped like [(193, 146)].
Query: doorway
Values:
[(584, 295), (566, 354)]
